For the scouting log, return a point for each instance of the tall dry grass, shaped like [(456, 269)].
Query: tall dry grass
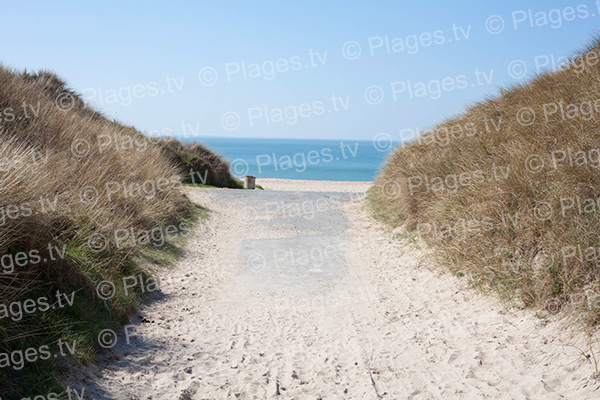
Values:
[(488, 191), (199, 165), (62, 183)]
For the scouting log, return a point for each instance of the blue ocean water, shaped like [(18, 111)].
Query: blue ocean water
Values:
[(310, 159)]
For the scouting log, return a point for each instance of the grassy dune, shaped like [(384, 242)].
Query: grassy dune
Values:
[(83, 199), (198, 165), (508, 193)]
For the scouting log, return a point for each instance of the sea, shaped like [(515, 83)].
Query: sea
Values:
[(309, 159)]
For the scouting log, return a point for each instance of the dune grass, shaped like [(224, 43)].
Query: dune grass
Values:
[(83, 200), (507, 193), (198, 165)]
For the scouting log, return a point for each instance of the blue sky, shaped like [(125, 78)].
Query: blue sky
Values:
[(291, 69)]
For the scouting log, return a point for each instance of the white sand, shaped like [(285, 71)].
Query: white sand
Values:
[(391, 326), (312, 186)]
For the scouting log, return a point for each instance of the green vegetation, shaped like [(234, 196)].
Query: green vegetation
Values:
[(198, 165), (506, 193)]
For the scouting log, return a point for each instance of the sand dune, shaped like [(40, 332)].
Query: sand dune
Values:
[(275, 299)]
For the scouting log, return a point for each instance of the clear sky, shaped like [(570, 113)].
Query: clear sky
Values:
[(304, 69)]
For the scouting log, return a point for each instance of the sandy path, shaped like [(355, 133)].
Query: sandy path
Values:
[(300, 295)]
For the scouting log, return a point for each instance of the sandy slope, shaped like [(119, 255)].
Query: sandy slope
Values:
[(368, 319)]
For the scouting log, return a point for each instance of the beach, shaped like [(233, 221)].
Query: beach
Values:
[(313, 186), (302, 201), (275, 298)]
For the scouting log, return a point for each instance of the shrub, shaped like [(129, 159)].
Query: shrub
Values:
[(197, 164)]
